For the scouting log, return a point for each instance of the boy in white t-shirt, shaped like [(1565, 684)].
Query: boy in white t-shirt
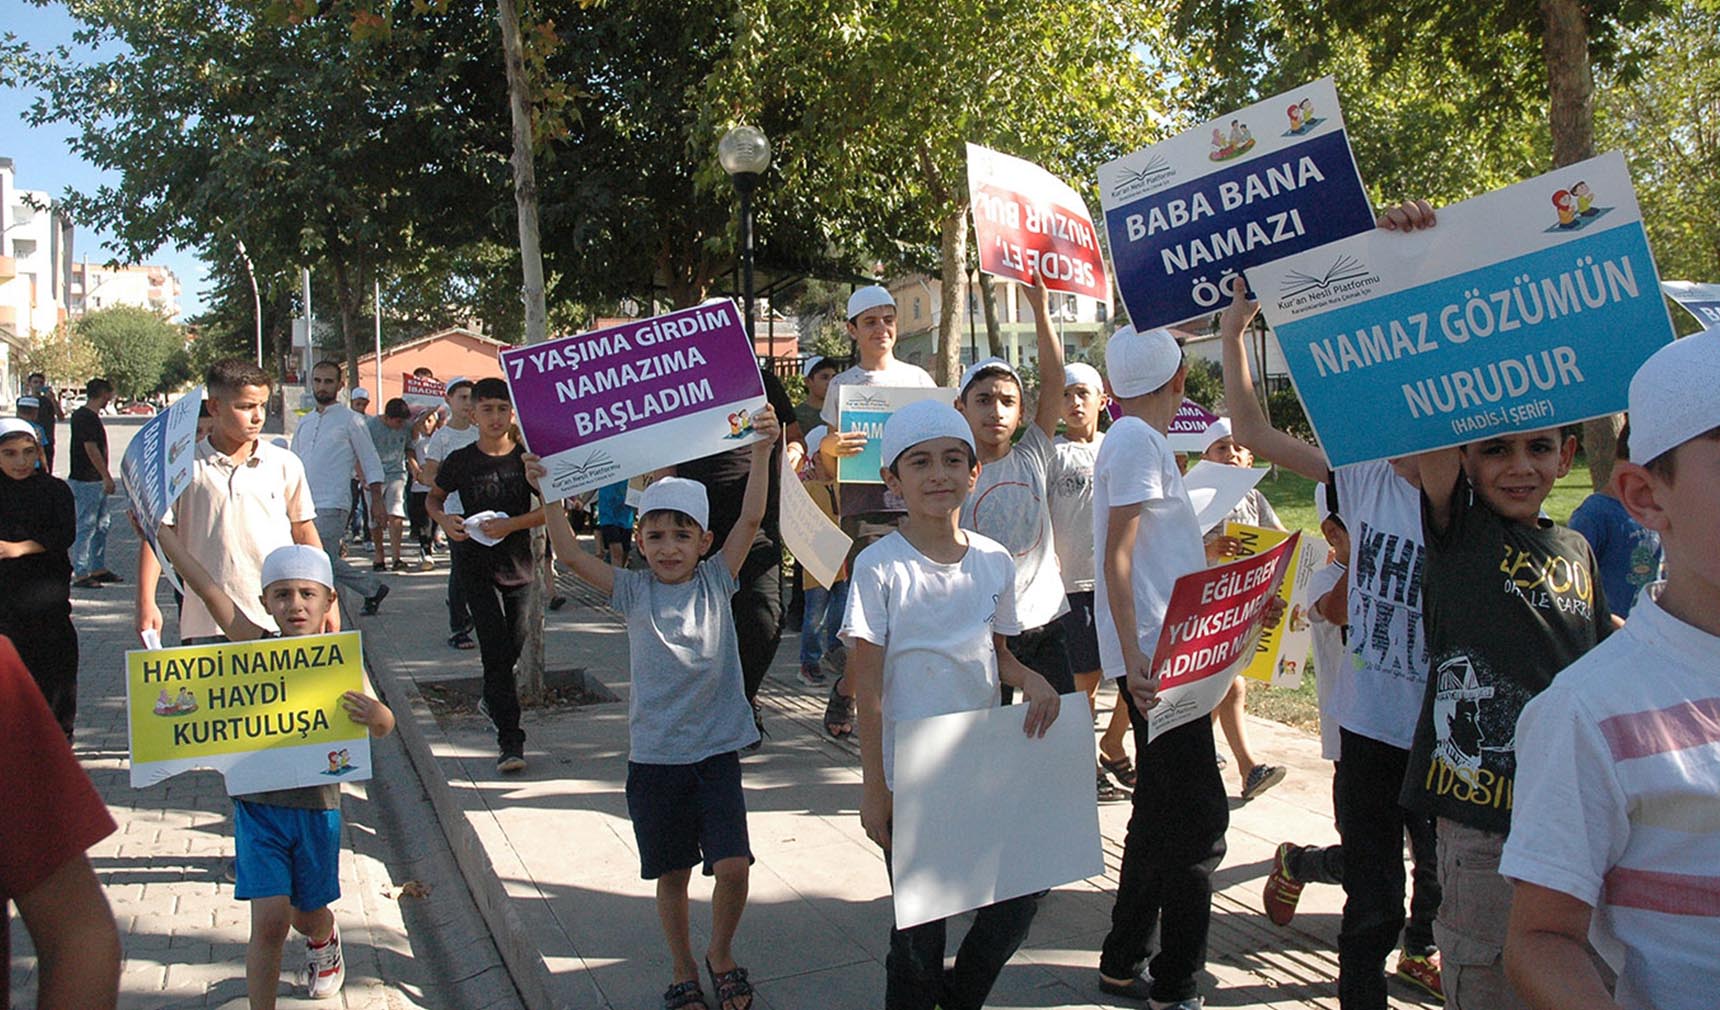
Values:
[(1614, 835), (929, 609), (1072, 516), (1011, 503), (1379, 701), (1146, 536)]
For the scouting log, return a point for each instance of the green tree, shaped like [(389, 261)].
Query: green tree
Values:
[(134, 345), (896, 90), (64, 356)]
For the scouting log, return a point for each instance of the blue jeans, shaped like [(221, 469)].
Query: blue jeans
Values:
[(823, 620), (89, 551)]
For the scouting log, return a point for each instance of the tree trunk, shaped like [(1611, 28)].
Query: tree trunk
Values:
[(988, 298), (346, 303), (531, 679), (952, 246), (1571, 118)]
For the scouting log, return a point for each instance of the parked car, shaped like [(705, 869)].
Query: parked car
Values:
[(138, 408)]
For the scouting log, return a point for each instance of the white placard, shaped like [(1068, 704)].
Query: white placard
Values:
[(1216, 489), (819, 544), (984, 813)]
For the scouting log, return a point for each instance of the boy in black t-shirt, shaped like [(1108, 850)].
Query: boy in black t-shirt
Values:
[(494, 556), (1510, 599)]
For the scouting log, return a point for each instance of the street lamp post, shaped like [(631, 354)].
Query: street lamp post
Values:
[(745, 153)]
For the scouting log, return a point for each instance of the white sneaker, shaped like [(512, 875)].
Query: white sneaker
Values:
[(325, 968)]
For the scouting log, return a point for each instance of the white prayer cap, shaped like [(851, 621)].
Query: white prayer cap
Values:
[(29, 401), (1672, 396), (360, 394), (1080, 373), (1216, 430), (816, 436), (986, 366), (922, 422), (1140, 363), (677, 494), (811, 364), (10, 426), (448, 387), (869, 298), (297, 561)]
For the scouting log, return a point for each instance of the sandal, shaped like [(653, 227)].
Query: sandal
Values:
[(734, 992), (685, 996), (838, 713), (1121, 769)]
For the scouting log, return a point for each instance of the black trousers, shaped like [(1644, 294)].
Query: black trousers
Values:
[(1324, 864), (459, 611), (757, 609), (499, 615), (1174, 843), (418, 518), (1373, 824), (48, 645), (1045, 651), (914, 975)]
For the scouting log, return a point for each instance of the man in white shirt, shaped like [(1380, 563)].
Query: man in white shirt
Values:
[(872, 327), (458, 433), (331, 441)]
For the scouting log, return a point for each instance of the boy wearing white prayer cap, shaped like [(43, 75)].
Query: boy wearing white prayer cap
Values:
[(1614, 835), (286, 842), (688, 717), (1146, 537), (926, 607), (872, 327)]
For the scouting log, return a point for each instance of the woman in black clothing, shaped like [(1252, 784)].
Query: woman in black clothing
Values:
[(38, 523)]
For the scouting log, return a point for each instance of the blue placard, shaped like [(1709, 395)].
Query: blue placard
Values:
[(1700, 300), (1244, 189), (865, 409), (1508, 316)]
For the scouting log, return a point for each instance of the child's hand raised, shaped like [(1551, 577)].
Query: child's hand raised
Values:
[(765, 423), (535, 470)]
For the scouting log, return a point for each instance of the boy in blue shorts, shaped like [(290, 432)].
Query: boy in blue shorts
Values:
[(930, 609), (688, 716), (286, 841)]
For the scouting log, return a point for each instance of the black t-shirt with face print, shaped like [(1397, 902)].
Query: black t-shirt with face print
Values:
[(1507, 605)]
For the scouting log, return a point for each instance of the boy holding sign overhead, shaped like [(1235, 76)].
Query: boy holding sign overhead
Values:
[(688, 717), (286, 841), (1011, 501), (929, 611)]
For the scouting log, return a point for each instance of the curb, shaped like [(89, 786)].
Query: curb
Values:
[(521, 957)]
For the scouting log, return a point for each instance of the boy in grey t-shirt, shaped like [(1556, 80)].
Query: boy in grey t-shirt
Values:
[(689, 716), (1010, 502)]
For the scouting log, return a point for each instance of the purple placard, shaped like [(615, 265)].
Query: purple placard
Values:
[(613, 403)]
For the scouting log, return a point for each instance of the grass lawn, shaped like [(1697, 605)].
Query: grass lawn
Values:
[(1292, 497)]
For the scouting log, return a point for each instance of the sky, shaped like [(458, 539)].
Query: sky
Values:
[(43, 160)]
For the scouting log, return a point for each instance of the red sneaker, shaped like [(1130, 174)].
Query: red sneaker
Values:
[(1282, 890), (1422, 972)]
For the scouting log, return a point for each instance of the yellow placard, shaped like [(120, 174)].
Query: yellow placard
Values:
[(207, 706), (1282, 652)]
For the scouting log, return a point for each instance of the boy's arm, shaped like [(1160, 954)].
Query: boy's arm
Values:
[(76, 940), (594, 572), (865, 674), (740, 539), (366, 709), (1043, 704), (232, 620), (1122, 525), (148, 577), (1049, 409), (1439, 472), (1248, 422), (1546, 951)]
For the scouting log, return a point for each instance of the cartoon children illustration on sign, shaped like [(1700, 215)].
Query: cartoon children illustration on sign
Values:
[(1225, 148), (1566, 205), (339, 762), (1585, 199), (183, 704), (740, 423)]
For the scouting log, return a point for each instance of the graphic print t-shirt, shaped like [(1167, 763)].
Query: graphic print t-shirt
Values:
[(1386, 641), (1072, 510), (1627, 551), (1010, 504), (1508, 606)]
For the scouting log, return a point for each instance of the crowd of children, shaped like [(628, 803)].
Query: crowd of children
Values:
[(1531, 706)]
